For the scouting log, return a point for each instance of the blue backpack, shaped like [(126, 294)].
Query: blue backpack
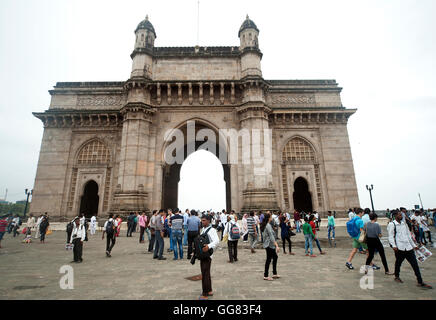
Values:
[(352, 229)]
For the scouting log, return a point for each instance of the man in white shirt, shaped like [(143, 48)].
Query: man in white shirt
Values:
[(403, 245), (77, 238), (205, 264), (223, 222), (93, 224)]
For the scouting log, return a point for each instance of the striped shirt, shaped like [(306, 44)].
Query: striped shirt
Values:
[(251, 224)]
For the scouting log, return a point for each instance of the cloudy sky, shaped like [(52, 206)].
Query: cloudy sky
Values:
[(381, 52)]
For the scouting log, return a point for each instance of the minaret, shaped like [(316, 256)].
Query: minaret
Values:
[(142, 55), (131, 192), (258, 190), (249, 47)]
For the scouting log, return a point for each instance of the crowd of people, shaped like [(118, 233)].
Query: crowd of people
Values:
[(199, 232)]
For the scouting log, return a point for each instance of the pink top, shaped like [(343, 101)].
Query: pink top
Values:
[(142, 221)]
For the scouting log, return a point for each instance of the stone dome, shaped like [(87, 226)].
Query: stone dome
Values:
[(247, 24), (145, 24)]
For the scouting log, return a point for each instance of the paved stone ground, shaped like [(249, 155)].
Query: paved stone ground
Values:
[(31, 271)]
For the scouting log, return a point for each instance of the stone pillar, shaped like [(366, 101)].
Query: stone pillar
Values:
[(131, 194), (258, 190)]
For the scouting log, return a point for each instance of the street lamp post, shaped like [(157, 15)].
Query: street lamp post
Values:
[(28, 193), (370, 195)]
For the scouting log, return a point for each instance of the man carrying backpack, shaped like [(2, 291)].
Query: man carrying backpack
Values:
[(110, 228), (205, 262), (232, 230), (354, 228)]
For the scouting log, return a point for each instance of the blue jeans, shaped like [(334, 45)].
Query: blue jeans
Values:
[(177, 240), (185, 236), (331, 228), (318, 244), (147, 231), (170, 232), (297, 224), (308, 243), (421, 235), (159, 245)]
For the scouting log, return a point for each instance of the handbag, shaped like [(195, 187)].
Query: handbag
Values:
[(48, 232), (69, 246), (362, 237)]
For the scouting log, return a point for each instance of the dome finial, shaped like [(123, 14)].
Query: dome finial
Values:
[(146, 17), (248, 17)]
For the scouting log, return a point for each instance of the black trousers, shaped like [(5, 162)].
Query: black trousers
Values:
[(271, 254), (429, 235), (141, 233), (373, 245), (110, 241), (232, 246), (206, 281), (152, 240), (77, 250), (288, 238), (411, 258), (191, 237)]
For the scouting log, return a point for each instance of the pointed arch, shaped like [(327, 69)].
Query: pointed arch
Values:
[(203, 122)]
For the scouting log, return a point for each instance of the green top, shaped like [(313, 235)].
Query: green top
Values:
[(331, 221), (307, 229)]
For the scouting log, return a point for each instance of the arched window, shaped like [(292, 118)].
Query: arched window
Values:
[(94, 152), (298, 150)]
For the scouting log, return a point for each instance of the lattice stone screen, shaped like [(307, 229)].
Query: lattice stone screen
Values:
[(298, 150), (94, 152)]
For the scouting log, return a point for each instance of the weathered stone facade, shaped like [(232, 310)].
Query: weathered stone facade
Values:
[(112, 133)]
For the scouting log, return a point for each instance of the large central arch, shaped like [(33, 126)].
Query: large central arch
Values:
[(171, 172)]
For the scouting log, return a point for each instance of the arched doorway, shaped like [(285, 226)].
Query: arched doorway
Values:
[(202, 184), (89, 200), (302, 197), (171, 173)]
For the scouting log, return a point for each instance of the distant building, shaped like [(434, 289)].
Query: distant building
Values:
[(20, 202)]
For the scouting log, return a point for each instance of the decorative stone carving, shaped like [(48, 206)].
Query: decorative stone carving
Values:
[(292, 99), (83, 101)]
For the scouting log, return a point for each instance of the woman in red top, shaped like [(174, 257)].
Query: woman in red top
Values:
[(312, 224)]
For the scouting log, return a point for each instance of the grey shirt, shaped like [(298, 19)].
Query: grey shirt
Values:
[(372, 229), (269, 237), (159, 224)]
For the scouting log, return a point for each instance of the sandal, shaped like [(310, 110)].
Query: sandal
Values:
[(398, 280), (389, 273), (276, 276), (268, 278), (424, 285)]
